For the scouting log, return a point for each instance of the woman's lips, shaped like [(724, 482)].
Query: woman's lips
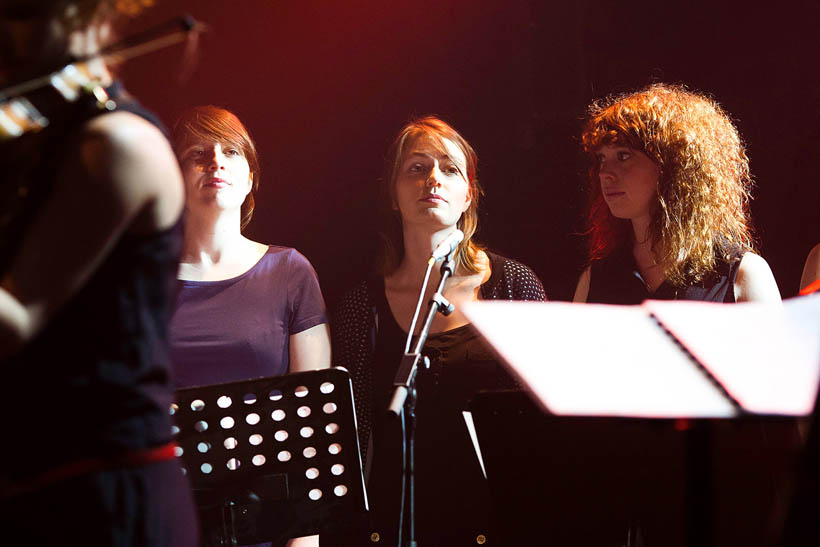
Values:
[(217, 183), (433, 198)]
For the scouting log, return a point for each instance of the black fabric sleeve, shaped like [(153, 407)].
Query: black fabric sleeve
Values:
[(353, 332), (512, 280)]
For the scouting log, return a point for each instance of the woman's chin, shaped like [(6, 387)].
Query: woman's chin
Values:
[(621, 214), (436, 220)]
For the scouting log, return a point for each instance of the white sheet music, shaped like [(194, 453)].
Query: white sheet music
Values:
[(587, 359), (765, 356)]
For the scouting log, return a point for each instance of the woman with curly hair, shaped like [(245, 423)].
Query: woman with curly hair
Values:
[(430, 190), (669, 195)]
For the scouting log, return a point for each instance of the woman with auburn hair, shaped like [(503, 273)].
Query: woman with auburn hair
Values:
[(669, 195), (244, 310), (430, 190)]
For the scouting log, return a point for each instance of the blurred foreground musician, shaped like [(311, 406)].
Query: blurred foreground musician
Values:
[(89, 240)]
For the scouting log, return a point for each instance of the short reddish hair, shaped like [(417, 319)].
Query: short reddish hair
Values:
[(212, 123)]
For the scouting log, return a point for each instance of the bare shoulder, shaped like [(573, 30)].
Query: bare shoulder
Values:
[(582, 288), (133, 160), (811, 269), (127, 135), (755, 281)]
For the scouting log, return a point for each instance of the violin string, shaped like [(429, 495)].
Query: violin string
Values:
[(142, 49), (127, 49)]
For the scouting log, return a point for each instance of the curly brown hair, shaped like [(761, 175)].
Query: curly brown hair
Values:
[(392, 248), (702, 207)]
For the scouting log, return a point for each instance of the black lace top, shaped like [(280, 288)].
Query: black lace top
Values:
[(452, 501), (355, 322)]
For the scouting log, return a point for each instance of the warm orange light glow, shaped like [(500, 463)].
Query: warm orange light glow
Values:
[(814, 286)]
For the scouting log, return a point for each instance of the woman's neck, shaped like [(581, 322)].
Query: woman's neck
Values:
[(642, 243), (211, 240), (640, 231), (418, 247), (644, 253)]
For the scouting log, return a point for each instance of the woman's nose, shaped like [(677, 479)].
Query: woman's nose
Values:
[(215, 160), (605, 170), (433, 177)]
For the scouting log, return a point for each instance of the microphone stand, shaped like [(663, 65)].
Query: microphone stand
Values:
[(404, 398)]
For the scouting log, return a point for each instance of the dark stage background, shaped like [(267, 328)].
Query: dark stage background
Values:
[(324, 86)]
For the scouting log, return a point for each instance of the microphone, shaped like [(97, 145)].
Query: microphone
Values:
[(447, 246)]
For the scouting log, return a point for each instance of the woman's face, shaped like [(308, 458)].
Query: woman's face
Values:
[(629, 181), (216, 175), (431, 187)]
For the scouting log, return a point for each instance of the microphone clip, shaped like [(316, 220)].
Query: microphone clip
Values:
[(444, 305)]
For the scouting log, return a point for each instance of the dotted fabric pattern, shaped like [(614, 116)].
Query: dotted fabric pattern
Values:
[(355, 327)]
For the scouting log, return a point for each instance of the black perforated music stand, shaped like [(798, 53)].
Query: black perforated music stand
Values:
[(272, 458)]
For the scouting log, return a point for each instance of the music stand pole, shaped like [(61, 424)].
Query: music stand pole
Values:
[(404, 398)]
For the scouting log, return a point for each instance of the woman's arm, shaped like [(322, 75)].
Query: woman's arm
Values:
[(309, 343), (755, 282), (811, 270), (582, 289), (307, 541), (310, 349), (123, 177)]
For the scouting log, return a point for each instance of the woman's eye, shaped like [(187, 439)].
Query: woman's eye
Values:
[(414, 167), (624, 155), (452, 170), (233, 152)]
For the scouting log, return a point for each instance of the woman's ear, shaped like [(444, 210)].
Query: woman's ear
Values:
[(468, 199)]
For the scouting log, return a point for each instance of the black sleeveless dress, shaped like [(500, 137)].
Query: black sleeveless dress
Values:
[(92, 389), (616, 280)]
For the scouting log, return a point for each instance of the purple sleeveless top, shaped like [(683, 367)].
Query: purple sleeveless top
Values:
[(239, 328)]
